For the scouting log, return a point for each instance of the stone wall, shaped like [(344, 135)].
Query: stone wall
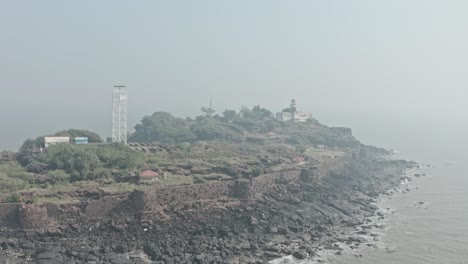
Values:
[(161, 196), (9, 214), (265, 183), (33, 216), (102, 207), (157, 198), (53, 210), (138, 200), (26, 216)]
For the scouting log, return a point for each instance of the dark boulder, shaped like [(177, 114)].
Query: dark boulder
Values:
[(300, 254)]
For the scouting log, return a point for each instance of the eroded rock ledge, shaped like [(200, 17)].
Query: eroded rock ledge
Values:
[(270, 216)]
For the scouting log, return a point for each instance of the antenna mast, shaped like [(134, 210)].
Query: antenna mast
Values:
[(211, 109)]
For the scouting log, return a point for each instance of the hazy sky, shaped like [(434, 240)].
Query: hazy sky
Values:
[(339, 59)]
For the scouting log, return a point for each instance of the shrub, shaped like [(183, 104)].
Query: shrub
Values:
[(16, 172), (58, 176), (307, 175), (119, 156), (77, 160), (10, 181), (301, 149), (36, 167), (213, 177), (13, 198), (102, 174), (209, 130), (199, 180)]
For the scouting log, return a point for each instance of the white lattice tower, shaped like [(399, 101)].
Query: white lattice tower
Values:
[(119, 114)]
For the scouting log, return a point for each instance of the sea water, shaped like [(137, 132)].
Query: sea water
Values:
[(429, 224)]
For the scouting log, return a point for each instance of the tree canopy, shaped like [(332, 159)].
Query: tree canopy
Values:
[(211, 129), (229, 115), (79, 161), (162, 127)]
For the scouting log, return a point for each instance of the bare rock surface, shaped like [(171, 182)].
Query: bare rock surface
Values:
[(296, 218)]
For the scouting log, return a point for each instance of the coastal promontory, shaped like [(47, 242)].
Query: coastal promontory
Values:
[(240, 187)]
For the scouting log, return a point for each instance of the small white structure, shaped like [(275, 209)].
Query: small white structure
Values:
[(81, 140), (55, 140), (302, 116)]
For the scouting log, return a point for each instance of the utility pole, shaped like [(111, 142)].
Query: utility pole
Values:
[(211, 109)]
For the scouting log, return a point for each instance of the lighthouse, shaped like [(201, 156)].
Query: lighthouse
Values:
[(292, 115), (292, 106)]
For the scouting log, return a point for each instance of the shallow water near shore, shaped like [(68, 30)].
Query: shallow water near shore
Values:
[(429, 223), (426, 225)]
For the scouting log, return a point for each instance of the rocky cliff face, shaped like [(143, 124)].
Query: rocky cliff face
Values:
[(291, 212)]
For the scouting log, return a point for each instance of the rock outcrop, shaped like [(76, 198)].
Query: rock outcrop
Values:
[(284, 213)]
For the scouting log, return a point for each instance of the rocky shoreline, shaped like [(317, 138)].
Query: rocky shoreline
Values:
[(305, 219), (351, 240)]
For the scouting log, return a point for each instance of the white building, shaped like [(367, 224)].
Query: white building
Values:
[(302, 116), (292, 114), (55, 140)]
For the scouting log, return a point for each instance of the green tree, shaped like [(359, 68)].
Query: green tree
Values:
[(162, 127), (257, 113), (260, 113), (229, 115), (245, 113), (58, 176), (208, 130), (120, 156), (207, 111), (32, 144), (102, 174), (79, 161)]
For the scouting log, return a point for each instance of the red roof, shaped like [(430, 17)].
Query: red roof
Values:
[(149, 173), (298, 159)]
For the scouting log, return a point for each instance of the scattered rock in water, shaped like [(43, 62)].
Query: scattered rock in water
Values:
[(419, 204), (379, 226)]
